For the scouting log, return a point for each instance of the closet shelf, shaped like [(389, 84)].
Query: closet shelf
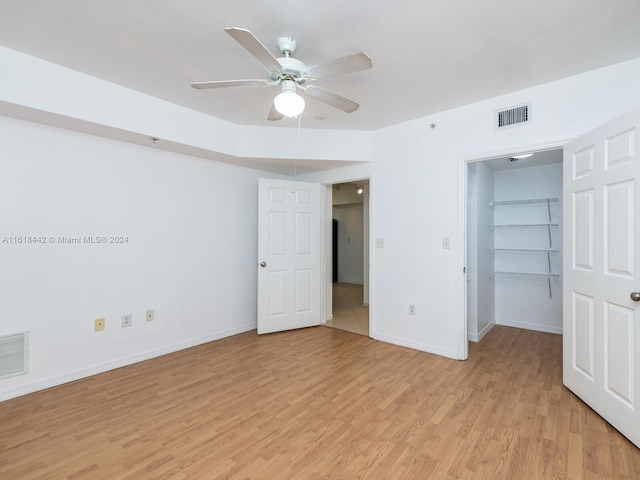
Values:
[(545, 202), (520, 202), (525, 225), (523, 250), (528, 274)]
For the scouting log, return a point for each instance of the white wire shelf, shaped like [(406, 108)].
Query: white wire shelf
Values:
[(527, 274), (542, 202), (521, 202), (525, 225), (523, 250)]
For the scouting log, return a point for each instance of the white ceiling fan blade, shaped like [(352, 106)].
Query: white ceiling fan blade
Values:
[(230, 83), (274, 114), (252, 44), (330, 98), (340, 66)]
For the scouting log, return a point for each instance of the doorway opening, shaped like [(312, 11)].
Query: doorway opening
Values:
[(514, 243), (348, 281)]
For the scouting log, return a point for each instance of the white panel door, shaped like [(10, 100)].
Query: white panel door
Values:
[(601, 344), (289, 260)]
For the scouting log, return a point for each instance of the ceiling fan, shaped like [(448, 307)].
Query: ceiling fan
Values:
[(290, 74)]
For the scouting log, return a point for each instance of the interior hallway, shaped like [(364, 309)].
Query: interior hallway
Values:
[(348, 312)]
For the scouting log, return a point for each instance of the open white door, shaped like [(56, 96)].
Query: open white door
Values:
[(601, 344), (289, 259)]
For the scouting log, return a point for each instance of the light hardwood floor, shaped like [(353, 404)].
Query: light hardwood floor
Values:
[(348, 312), (318, 403)]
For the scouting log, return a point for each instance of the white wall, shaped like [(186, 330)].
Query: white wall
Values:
[(421, 170), (523, 301), (417, 196), (350, 242), (191, 251), (191, 258), (81, 102)]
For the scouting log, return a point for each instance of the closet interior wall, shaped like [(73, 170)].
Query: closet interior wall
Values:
[(480, 261)]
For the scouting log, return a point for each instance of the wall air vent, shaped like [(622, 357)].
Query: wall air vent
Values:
[(13, 354), (513, 116)]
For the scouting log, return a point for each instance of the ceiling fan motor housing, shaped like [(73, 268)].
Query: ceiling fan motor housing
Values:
[(292, 69)]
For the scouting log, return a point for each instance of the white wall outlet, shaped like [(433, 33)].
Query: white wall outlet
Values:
[(149, 316), (412, 309), (379, 242), (125, 320), (446, 243), (98, 324)]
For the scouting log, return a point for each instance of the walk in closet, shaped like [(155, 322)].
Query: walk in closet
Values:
[(514, 244)]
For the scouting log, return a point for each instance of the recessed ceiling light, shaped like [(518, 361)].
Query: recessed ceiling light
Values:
[(321, 116)]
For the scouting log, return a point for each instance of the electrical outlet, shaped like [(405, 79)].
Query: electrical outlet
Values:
[(446, 243), (412, 309), (98, 324), (150, 316), (379, 242), (125, 320)]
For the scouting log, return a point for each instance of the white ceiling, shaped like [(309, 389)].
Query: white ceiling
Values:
[(428, 56), (545, 157)]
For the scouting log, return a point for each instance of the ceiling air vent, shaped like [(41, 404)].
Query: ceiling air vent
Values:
[(13, 354), (513, 116)]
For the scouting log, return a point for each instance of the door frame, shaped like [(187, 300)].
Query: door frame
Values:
[(463, 342), (327, 215)]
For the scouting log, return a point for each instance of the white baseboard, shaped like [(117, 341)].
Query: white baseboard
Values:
[(531, 326), (424, 347), (71, 376), (476, 337)]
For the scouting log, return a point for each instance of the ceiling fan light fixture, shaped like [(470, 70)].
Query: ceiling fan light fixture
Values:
[(288, 102)]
